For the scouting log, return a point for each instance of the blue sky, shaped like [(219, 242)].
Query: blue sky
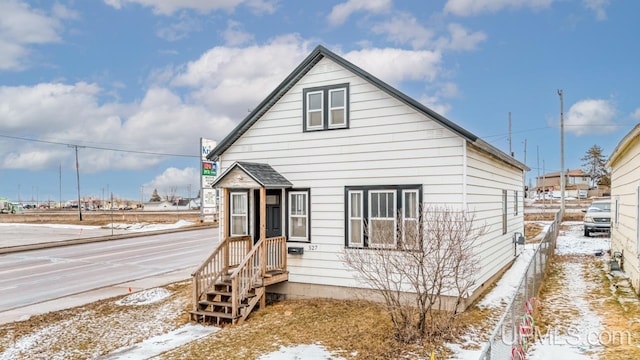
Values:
[(136, 83)]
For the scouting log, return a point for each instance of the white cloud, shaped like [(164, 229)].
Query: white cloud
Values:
[(476, 7), (179, 29), (409, 65), (72, 114), (598, 7), (233, 79), (174, 180), (341, 12), (461, 39), (636, 114), (168, 7), (22, 26), (234, 35), (403, 28), (591, 116), (435, 103)]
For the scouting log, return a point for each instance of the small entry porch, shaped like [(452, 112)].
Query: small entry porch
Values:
[(252, 254)]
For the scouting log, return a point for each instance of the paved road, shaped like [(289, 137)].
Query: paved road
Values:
[(37, 276)]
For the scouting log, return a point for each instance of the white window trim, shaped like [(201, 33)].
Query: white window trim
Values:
[(321, 110), (515, 202), (404, 206), (306, 215), (361, 218), (343, 108), (393, 216), (244, 197)]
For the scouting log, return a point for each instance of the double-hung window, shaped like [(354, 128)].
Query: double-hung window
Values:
[(239, 214), (504, 212), (382, 216), (410, 214), (314, 110), (356, 224), (326, 107), (298, 215)]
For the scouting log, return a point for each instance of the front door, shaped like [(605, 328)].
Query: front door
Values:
[(274, 213), (273, 222)]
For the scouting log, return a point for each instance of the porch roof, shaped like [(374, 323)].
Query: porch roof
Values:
[(263, 174)]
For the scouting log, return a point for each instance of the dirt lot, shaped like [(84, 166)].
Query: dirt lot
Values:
[(100, 217)]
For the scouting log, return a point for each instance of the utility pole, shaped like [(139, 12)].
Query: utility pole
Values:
[(538, 160), (525, 151), (562, 180), (510, 151), (78, 179), (60, 183)]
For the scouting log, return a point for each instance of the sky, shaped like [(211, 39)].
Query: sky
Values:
[(134, 84)]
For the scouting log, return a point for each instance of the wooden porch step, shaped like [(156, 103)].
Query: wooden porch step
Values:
[(219, 303), (218, 292), (215, 314), (272, 273)]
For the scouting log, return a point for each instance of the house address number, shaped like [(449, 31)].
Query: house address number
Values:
[(312, 247)]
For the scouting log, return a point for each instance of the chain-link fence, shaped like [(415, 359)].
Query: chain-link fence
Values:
[(512, 335)]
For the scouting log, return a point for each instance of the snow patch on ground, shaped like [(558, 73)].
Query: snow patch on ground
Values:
[(158, 344), (506, 287), (314, 351), (142, 227), (144, 297), (573, 242)]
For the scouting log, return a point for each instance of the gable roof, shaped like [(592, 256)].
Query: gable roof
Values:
[(309, 62), (624, 144), (263, 174)]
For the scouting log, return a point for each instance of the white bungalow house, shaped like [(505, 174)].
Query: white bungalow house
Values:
[(625, 204), (331, 149)]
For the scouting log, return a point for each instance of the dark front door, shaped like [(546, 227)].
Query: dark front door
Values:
[(273, 222), (274, 213)]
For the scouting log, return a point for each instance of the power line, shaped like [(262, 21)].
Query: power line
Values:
[(97, 147)]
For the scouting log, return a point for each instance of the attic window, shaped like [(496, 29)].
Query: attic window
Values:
[(326, 107)]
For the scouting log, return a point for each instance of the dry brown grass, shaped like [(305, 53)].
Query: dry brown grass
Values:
[(352, 329), (610, 297), (94, 329)]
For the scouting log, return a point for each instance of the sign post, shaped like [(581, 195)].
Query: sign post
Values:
[(208, 173)]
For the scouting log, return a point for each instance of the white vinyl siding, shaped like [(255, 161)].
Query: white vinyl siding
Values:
[(239, 213), (382, 218), (299, 216), (355, 227), (387, 142)]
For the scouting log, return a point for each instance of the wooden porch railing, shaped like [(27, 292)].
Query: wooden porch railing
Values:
[(228, 254), (267, 255)]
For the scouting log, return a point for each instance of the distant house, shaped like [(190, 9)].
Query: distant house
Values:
[(625, 204), (330, 150), (158, 206)]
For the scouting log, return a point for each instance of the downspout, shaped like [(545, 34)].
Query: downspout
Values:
[(464, 174)]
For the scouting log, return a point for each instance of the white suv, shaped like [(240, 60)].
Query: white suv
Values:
[(598, 217)]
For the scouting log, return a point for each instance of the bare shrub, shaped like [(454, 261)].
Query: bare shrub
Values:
[(423, 269)]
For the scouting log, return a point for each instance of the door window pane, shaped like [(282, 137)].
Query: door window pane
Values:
[(239, 214)]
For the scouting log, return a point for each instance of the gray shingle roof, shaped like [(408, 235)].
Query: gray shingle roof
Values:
[(261, 173)]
